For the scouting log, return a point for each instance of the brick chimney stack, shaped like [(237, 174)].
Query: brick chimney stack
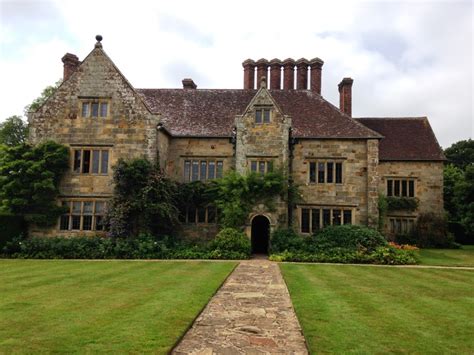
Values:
[(189, 84), (262, 68), (275, 74), (288, 74), (249, 74), (71, 62), (302, 74), (316, 66), (345, 96)]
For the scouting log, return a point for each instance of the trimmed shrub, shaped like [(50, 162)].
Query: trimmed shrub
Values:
[(144, 246), (286, 240), (349, 237), (381, 255), (230, 241)]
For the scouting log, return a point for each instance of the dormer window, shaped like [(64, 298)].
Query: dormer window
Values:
[(262, 115), (95, 108)]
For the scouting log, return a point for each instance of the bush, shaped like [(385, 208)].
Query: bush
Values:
[(286, 240), (386, 255), (229, 244), (432, 232), (349, 237), (230, 241)]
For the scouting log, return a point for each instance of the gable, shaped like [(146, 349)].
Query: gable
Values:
[(96, 77)]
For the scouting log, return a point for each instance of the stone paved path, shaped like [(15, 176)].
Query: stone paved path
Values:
[(251, 314)]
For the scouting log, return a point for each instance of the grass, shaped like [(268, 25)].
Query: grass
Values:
[(102, 306), (448, 257), (375, 310)]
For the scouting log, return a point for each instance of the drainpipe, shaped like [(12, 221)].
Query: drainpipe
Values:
[(291, 145)]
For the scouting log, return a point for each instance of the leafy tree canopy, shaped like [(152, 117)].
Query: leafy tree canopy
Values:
[(13, 131), (29, 180), (461, 153), (143, 202), (45, 94)]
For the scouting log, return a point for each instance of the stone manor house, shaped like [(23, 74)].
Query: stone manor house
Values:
[(279, 119)]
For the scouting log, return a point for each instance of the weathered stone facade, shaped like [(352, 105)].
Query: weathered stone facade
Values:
[(199, 134), (428, 183)]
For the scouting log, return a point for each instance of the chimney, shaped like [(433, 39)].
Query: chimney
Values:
[(189, 84), (302, 74), (288, 74), (275, 74), (316, 65), (262, 68), (345, 96), (71, 62), (249, 73)]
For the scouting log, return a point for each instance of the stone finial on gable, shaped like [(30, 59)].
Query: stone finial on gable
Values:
[(263, 82), (99, 39)]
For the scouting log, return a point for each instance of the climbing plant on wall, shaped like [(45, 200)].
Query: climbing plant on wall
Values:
[(144, 200)]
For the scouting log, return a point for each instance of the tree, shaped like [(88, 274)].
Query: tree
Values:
[(461, 153), (452, 177), (45, 94), (464, 199), (144, 200), (29, 181), (459, 184), (13, 131)]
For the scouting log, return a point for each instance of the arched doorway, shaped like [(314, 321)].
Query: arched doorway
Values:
[(260, 235)]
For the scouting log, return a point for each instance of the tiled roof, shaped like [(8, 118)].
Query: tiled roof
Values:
[(407, 138), (210, 112)]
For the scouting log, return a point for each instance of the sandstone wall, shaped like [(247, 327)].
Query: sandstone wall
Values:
[(127, 131), (352, 193), (428, 185)]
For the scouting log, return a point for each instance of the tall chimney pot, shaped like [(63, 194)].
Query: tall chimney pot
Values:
[(316, 65), (71, 62), (302, 74), (275, 74), (262, 68), (345, 96), (249, 74), (288, 74)]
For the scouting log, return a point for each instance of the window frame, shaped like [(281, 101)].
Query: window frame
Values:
[(396, 186), (90, 164), (190, 174), (401, 225), (265, 114), (196, 220), (258, 163), (89, 103), (81, 213), (317, 176), (322, 214)]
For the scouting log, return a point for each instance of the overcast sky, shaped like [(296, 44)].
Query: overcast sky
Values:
[(410, 58)]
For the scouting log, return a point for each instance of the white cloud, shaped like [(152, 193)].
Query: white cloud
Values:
[(407, 58)]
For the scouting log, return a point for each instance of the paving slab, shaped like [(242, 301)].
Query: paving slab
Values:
[(252, 313)]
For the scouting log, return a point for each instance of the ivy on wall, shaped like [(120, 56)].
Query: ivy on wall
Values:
[(401, 203)]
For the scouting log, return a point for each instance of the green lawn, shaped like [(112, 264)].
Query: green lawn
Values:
[(102, 306), (448, 257), (368, 310)]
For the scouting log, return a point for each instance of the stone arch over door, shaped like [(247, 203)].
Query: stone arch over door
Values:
[(260, 234)]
